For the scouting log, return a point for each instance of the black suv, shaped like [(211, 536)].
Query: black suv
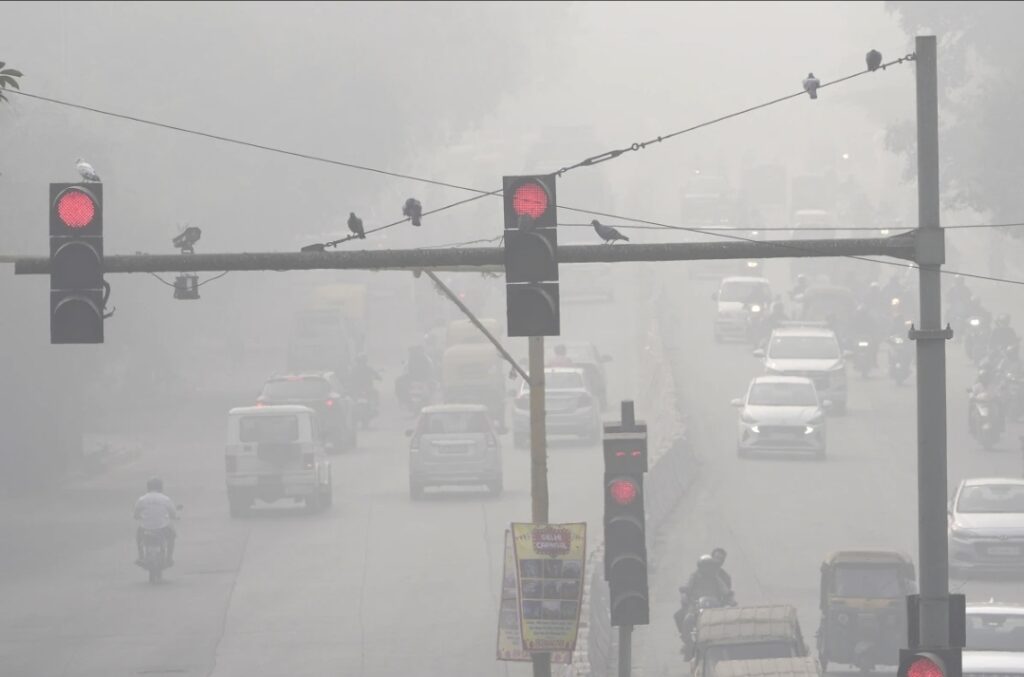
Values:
[(322, 392)]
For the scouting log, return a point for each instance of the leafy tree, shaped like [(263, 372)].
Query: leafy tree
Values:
[(8, 79)]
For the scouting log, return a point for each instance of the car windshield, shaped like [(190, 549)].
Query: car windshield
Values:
[(1005, 498), (454, 423), (748, 651), (868, 581), (744, 292), (995, 632), (268, 429), (560, 380), (297, 389), (803, 347), (783, 395)]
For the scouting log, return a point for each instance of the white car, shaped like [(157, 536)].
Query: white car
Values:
[(812, 351), (996, 628), (571, 406), (781, 413), (986, 526), (991, 664), (740, 300)]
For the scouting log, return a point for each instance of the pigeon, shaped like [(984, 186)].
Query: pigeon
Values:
[(607, 233), (414, 210), (355, 224), (874, 59), (86, 171), (811, 85)]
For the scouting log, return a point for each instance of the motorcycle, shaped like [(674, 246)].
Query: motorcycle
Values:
[(367, 406), (686, 617), (976, 339), (418, 395), (985, 419), (864, 357), (900, 359), (154, 554), (757, 322)]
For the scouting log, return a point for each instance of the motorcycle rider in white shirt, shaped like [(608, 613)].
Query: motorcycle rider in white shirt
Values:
[(154, 511)]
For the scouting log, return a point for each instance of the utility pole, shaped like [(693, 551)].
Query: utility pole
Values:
[(933, 552), (538, 462)]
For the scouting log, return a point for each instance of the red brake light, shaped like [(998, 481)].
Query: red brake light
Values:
[(530, 199), (924, 667), (260, 403), (76, 209), (329, 403), (624, 492)]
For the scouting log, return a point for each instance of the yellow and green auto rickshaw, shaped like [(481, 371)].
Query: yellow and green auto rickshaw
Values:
[(473, 373), (863, 607)]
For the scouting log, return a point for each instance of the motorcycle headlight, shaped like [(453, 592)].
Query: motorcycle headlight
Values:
[(755, 308), (895, 301), (898, 341), (974, 322), (862, 344)]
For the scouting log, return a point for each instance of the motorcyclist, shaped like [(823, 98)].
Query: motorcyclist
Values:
[(800, 287), (418, 369), (154, 511), (864, 328), (706, 581), (719, 555), (362, 379), (1003, 336)]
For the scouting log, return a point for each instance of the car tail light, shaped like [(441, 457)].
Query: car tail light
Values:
[(230, 463), (329, 403), (260, 403), (309, 460)]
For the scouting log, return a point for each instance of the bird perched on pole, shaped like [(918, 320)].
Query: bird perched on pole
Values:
[(86, 171), (874, 59), (355, 224), (414, 210), (607, 233), (811, 85)]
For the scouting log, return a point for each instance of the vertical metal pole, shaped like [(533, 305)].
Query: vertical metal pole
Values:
[(538, 462), (625, 650), (933, 552)]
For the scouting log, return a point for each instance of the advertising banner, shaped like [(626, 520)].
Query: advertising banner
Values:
[(549, 562)]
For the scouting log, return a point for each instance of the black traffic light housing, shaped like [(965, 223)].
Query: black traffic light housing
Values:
[(625, 530), (76, 263), (531, 255)]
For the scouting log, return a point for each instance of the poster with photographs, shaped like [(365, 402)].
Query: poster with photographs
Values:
[(510, 637), (549, 562)]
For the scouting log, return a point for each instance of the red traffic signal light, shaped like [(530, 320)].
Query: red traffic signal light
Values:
[(76, 208), (530, 199), (924, 667), (624, 492)]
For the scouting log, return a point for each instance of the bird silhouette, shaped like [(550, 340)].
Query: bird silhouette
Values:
[(355, 224), (414, 210), (607, 233), (874, 59), (86, 171), (811, 85)]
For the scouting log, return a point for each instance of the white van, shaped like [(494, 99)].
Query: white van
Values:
[(276, 452)]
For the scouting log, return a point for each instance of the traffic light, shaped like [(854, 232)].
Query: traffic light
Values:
[(930, 663), (625, 537), (76, 263), (531, 255)]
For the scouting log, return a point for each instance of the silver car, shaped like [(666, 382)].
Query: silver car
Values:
[(572, 408), (986, 526), (992, 664), (995, 627), (812, 351), (781, 413), (454, 444)]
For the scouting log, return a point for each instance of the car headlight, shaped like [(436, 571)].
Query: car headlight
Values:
[(862, 344), (752, 264), (808, 429), (895, 301), (898, 341), (755, 308), (756, 429), (975, 322)]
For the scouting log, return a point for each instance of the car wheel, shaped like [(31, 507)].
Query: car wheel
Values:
[(415, 491)]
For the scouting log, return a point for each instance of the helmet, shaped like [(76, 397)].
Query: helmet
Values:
[(706, 563), (155, 484)]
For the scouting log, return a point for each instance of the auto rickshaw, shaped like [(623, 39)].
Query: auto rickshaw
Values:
[(472, 373), (863, 607)]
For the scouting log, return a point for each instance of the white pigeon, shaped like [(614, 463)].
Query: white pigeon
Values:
[(86, 171)]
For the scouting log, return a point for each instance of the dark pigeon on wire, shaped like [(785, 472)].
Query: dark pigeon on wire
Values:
[(811, 85), (414, 210), (874, 60), (355, 224), (607, 233)]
